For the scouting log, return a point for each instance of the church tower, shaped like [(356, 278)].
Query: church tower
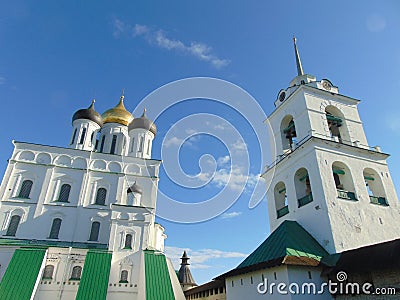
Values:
[(185, 276), (326, 176)]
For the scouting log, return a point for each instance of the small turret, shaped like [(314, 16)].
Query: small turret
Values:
[(141, 132), (184, 274), (86, 123)]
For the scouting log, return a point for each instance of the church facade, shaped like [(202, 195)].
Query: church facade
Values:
[(83, 217)]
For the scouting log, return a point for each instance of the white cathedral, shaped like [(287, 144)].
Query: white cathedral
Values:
[(79, 222)]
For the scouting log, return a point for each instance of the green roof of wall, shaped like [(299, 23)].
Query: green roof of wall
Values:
[(46, 243), (21, 274), (158, 282), (288, 240), (95, 275)]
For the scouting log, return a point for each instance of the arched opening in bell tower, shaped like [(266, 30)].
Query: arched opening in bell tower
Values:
[(288, 134)]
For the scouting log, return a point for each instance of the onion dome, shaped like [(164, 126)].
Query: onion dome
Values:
[(135, 188), (88, 113), (143, 123), (118, 114)]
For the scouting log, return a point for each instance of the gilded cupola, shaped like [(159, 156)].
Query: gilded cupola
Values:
[(118, 114)]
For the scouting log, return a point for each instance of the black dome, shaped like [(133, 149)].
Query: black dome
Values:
[(89, 114), (143, 123)]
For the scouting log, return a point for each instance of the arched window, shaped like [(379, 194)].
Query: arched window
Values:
[(92, 138), (113, 144), (343, 181), (83, 135), (303, 187), (281, 203), (375, 187), (73, 136), (336, 124), (102, 143), (141, 142), (101, 196), (128, 241), (148, 147), (64, 193), (132, 143), (48, 272), (25, 189), (13, 225), (76, 273), (55, 228), (288, 133), (124, 276), (94, 231)]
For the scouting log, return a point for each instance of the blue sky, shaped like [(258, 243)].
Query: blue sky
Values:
[(56, 56)]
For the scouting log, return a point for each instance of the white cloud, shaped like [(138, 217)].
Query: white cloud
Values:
[(231, 215), (199, 258), (223, 160), (174, 141), (119, 28), (159, 38), (139, 30), (376, 23), (234, 178), (190, 131), (219, 127), (239, 145), (2, 80), (393, 122)]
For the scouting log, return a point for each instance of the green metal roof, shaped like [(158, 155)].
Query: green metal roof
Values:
[(288, 240), (21, 275), (158, 282), (46, 243), (95, 274)]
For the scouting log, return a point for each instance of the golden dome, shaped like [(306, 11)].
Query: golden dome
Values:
[(118, 114)]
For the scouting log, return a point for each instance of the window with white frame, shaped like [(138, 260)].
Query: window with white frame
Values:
[(25, 189), (55, 228), (124, 276), (101, 195), (94, 231), (76, 273), (13, 225), (48, 272), (63, 196)]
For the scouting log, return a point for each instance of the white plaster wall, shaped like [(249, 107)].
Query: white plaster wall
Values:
[(60, 287), (69, 166), (359, 223), (310, 214), (248, 290)]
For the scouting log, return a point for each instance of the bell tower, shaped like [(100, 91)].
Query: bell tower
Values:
[(326, 176)]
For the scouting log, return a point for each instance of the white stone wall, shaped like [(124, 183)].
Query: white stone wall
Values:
[(245, 285), (337, 224)]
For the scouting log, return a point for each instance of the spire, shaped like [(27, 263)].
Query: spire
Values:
[(300, 71), (92, 105), (144, 113), (184, 259)]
